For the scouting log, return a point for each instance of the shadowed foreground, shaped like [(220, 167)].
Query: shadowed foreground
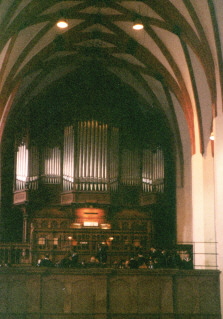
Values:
[(51, 293)]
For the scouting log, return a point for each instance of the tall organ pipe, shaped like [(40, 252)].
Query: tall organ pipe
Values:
[(21, 166), (68, 158)]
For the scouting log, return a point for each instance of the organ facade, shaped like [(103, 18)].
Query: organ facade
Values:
[(87, 187)]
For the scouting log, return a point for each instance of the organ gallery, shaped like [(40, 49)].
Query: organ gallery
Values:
[(88, 173)]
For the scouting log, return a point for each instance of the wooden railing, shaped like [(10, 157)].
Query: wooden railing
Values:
[(14, 254), (25, 254)]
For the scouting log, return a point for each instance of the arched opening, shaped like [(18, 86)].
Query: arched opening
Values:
[(89, 143)]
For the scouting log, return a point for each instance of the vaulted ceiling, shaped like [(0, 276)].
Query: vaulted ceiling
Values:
[(172, 63)]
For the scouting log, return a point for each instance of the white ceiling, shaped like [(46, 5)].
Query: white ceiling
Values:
[(172, 63)]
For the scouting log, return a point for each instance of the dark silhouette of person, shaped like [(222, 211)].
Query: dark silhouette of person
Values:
[(74, 258), (133, 263), (66, 261), (46, 262), (102, 253), (163, 259), (187, 262)]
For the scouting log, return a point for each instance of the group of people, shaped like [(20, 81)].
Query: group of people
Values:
[(154, 259), (69, 260)]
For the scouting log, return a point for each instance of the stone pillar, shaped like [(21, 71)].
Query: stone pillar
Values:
[(218, 165)]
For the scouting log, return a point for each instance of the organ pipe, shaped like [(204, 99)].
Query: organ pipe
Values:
[(92, 147), (33, 167), (51, 165), (22, 156), (68, 158), (153, 170), (114, 159), (130, 167)]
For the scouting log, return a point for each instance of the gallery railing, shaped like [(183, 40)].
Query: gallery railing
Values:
[(14, 254), (204, 254)]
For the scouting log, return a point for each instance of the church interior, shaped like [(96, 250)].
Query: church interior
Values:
[(111, 135)]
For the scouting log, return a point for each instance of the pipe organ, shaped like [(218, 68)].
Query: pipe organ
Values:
[(91, 170), (90, 160)]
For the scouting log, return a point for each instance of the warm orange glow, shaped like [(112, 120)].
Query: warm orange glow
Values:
[(90, 217), (105, 226), (75, 225), (62, 24), (138, 25)]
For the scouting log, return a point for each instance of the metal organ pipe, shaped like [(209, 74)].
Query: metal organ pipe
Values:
[(88, 146), (34, 167), (153, 170), (85, 153), (80, 146), (102, 156), (21, 166), (51, 165), (98, 156), (113, 164), (68, 158), (95, 157), (105, 157)]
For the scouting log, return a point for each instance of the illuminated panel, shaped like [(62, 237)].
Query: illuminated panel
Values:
[(41, 241), (90, 224), (90, 217)]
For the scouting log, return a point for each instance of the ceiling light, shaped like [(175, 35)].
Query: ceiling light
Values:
[(138, 25), (62, 24)]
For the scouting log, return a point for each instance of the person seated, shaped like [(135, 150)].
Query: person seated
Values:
[(74, 258), (174, 259), (102, 253), (115, 264), (163, 257), (156, 263), (65, 262), (122, 264), (46, 262), (141, 259), (187, 262), (150, 263), (94, 262), (143, 266), (133, 263), (153, 253)]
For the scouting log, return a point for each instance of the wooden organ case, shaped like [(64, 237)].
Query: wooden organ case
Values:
[(90, 187)]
